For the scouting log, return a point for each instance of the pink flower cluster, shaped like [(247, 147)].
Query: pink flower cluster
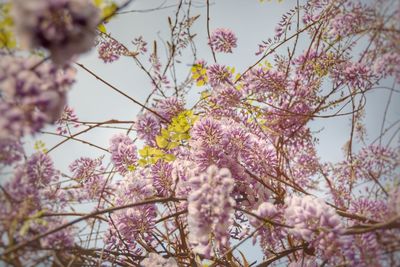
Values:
[(33, 94), (88, 173), (169, 107), (147, 127), (11, 151), (161, 173), (314, 222), (67, 119), (154, 259), (140, 45), (134, 223), (123, 153), (64, 27), (209, 204), (110, 50), (223, 40), (30, 193), (218, 75)]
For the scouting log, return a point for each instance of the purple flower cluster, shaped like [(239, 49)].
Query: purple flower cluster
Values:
[(110, 50), (89, 173), (222, 40), (388, 65), (40, 169), (181, 172), (265, 210), (229, 144), (84, 168), (269, 236), (29, 194), (377, 161), (206, 137), (68, 118), (314, 222), (169, 107), (134, 223), (243, 158), (32, 93), (262, 80), (123, 153), (226, 95), (161, 173), (140, 44), (65, 27), (343, 24), (60, 239), (147, 127), (364, 249), (356, 75), (11, 151), (27, 186), (218, 75), (371, 163), (156, 260), (209, 204)]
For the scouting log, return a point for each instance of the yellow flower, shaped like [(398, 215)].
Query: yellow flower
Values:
[(199, 74)]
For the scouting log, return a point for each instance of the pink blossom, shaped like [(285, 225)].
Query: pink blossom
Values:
[(223, 40), (33, 94), (11, 151), (67, 119), (136, 222), (110, 50), (209, 204), (123, 153), (147, 127), (169, 107), (65, 27), (140, 44), (40, 169), (314, 222), (218, 75), (156, 260), (161, 173)]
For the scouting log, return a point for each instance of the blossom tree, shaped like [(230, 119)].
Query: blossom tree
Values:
[(189, 184)]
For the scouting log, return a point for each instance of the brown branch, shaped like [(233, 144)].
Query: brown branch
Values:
[(120, 92), (76, 139), (88, 216), (208, 31), (274, 223), (394, 222), (273, 50), (76, 134), (280, 255)]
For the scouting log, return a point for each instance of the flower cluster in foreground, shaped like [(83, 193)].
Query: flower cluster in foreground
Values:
[(65, 27)]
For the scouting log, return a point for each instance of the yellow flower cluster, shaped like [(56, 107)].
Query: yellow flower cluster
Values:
[(322, 68), (7, 39), (150, 155), (199, 74), (40, 146), (107, 8), (171, 137)]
